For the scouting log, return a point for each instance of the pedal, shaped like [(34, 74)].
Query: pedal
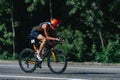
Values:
[(38, 63), (38, 66)]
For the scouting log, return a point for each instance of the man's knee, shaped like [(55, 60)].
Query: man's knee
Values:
[(44, 40)]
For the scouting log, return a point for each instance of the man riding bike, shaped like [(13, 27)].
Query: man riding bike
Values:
[(43, 32)]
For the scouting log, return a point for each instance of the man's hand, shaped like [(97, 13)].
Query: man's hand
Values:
[(60, 40)]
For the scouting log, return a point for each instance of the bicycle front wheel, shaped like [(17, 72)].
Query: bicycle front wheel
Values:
[(57, 62), (27, 60)]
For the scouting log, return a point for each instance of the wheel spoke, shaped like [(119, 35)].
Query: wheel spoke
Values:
[(60, 64), (27, 61)]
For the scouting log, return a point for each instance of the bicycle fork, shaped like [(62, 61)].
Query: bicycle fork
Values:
[(54, 55)]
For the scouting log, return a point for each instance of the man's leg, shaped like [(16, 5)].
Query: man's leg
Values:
[(43, 39)]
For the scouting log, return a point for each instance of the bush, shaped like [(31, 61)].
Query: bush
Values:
[(110, 54), (7, 56), (73, 45)]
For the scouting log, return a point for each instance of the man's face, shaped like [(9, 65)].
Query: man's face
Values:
[(54, 27)]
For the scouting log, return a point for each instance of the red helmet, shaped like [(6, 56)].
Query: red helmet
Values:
[(54, 22)]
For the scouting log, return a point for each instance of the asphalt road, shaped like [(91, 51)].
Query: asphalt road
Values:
[(10, 70)]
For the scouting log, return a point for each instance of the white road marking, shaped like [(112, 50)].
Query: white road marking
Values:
[(33, 77)]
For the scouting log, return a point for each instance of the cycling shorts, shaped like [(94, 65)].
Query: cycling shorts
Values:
[(34, 34)]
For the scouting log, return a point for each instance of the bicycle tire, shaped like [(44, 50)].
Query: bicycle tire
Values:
[(61, 64), (25, 56)]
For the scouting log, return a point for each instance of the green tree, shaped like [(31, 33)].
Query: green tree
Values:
[(89, 27), (7, 24), (34, 4), (98, 20)]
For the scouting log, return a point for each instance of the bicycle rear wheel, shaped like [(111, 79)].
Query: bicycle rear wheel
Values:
[(27, 60), (59, 64)]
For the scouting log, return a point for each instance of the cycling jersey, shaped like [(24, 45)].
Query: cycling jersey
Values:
[(35, 33)]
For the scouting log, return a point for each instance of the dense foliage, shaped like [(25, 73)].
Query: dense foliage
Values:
[(90, 27)]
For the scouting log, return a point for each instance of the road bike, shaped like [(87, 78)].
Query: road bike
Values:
[(55, 58)]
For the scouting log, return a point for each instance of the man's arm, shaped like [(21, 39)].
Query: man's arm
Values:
[(45, 28)]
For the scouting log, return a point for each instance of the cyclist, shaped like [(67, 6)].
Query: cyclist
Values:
[(43, 32)]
